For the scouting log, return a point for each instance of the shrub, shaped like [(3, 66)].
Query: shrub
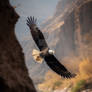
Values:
[(80, 84)]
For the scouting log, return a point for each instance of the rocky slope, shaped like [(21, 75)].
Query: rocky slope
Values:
[(14, 75)]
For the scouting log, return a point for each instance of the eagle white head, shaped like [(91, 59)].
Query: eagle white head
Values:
[(51, 52)]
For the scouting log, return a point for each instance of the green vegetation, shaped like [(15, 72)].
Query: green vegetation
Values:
[(57, 84), (78, 86)]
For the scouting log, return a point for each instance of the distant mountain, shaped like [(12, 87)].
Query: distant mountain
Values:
[(61, 6)]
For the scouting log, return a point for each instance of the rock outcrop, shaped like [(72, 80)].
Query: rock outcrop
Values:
[(14, 75)]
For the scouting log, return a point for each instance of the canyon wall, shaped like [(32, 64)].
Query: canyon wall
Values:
[(14, 75)]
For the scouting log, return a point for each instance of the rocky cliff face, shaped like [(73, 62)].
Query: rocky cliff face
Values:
[(67, 27), (14, 75)]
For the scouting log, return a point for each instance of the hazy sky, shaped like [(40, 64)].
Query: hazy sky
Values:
[(41, 9)]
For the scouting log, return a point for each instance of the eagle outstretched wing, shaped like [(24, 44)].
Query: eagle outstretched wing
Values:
[(51, 60), (57, 67), (36, 34)]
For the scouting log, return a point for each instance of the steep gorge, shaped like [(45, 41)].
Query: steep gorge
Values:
[(66, 32), (70, 35)]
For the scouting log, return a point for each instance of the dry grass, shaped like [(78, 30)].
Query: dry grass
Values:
[(53, 81)]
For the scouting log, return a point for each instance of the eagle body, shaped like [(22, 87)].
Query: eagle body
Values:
[(44, 52), (38, 56)]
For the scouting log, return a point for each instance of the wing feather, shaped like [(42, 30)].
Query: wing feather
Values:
[(37, 35), (57, 67)]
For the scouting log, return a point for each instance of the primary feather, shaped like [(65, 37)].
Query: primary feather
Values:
[(36, 34)]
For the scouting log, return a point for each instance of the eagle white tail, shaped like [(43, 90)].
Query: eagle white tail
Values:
[(36, 56)]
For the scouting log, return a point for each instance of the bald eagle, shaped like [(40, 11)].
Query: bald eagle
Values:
[(44, 52)]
